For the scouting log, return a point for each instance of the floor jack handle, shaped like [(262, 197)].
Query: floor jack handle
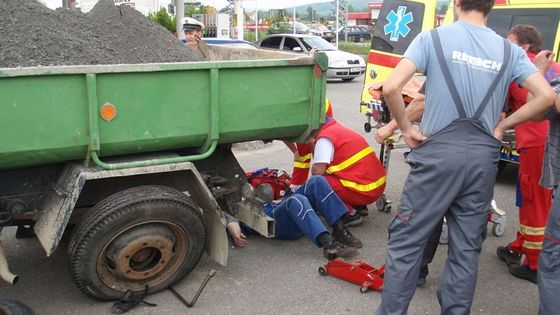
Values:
[(191, 304)]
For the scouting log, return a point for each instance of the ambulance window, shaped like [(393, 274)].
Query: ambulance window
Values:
[(398, 24), (502, 20)]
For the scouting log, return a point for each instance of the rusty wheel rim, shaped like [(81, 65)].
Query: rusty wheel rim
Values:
[(144, 254)]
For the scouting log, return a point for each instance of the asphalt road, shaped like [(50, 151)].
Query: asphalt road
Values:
[(280, 277)]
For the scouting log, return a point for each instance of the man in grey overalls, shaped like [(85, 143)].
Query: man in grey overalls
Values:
[(454, 156)]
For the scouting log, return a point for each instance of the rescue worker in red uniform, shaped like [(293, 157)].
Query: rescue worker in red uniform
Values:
[(302, 156), (349, 164), (533, 201)]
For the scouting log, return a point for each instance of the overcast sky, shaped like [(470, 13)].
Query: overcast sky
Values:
[(248, 4)]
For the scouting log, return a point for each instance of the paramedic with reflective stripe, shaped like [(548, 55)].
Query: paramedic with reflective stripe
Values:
[(302, 156), (454, 155), (533, 200), (349, 164)]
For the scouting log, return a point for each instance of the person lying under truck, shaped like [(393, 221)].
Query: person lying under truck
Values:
[(296, 215)]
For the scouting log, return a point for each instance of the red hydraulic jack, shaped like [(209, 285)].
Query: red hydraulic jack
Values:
[(356, 271)]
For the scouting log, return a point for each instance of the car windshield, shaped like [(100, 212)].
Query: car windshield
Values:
[(316, 42)]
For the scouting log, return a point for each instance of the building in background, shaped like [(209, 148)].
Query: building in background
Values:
[(359, 18), (375, 7)]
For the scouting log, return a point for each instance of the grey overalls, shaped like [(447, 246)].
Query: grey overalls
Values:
[(452, 173)]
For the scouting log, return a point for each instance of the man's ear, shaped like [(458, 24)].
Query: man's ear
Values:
[(525, 47)]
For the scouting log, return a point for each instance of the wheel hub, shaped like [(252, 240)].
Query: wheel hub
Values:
[(141, 253)]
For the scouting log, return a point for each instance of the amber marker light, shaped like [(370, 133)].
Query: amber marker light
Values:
[(108, 112)]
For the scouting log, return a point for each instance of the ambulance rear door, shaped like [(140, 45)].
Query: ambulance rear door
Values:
[(398, 24)]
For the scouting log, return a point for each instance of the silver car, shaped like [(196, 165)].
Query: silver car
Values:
[(342, 65)]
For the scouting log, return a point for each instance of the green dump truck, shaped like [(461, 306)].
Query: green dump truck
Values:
[(134, 162)]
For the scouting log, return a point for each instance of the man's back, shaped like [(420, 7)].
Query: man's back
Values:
[(473, 61)]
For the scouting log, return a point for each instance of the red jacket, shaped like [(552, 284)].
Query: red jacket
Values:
[(355, 166), (530, 133), (300, 172)]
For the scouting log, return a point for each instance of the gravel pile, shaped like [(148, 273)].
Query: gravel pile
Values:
[(33, 35)]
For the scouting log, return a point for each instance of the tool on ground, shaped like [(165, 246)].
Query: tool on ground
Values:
[(356, 271), (191, 304)]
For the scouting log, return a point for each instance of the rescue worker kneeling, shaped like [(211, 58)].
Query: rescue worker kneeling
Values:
[(297, 215), (345, 159)]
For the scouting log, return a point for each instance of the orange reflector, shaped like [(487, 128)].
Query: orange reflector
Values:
[(108, 111)]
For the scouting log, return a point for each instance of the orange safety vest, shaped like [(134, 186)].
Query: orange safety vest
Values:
[(355, 166), (300, 172)]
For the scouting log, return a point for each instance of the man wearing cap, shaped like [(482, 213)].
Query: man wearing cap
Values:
[(193, 30)]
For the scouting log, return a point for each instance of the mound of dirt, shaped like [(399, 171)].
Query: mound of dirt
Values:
[(34, 35)]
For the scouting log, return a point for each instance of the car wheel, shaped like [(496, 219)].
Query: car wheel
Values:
[(361, 39)]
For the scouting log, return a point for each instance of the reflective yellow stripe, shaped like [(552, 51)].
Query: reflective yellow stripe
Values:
[(305, 157), (532, 245), (367, 187), (353, 159), (530, 230), (301, 164)]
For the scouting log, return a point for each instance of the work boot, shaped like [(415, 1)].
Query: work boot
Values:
[(338, 250), (362, 210), (352, 219), (507, 256), (523, 272), (344, 236)]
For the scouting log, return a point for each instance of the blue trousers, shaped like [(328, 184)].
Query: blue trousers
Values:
[(296, 215), (549, 261)]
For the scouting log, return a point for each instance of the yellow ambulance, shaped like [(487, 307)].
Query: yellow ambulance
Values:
[(401, 20)]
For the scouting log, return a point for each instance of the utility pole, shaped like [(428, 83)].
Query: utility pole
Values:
[(236, 7), (179, 17), (340, 11)]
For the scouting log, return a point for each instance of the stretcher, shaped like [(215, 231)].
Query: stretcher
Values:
[(378, 115)]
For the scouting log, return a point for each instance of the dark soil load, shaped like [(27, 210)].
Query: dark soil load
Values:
[(33, 35)]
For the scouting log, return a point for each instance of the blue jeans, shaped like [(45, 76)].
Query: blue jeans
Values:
[(296, 215), (549, 261)]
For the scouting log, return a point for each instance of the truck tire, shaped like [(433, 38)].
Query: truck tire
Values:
[(11, 307), (142, 239)]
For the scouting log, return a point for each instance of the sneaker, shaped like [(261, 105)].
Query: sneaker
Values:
[(421, 281), (345, 237), (523, 272), (352, 219), (338, 250), (507, 256), (362, 210)]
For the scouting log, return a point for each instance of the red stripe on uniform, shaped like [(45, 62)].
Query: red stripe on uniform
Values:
[(383, 60)]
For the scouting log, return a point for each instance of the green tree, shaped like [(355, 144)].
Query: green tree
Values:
[(162, 18), (351, 8), (311, 13)]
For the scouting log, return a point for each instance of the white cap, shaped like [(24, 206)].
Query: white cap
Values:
[(192, 24)]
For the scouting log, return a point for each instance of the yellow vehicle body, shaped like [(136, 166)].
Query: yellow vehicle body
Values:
[(387, 49)]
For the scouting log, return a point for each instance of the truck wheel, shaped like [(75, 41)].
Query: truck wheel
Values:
[(10, 307), (143, 237)]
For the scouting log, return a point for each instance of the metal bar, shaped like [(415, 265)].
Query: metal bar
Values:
[(91, 86), (179, 159)]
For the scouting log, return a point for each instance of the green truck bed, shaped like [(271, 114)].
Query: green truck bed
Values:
[(52, 114)]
